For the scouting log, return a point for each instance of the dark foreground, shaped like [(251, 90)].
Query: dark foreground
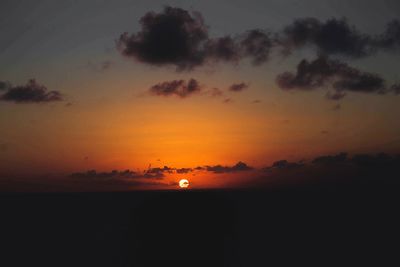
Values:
[(281, 227)]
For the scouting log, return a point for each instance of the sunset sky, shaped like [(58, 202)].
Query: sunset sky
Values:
[(229, 87)]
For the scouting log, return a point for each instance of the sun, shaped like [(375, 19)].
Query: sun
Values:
[(184, 183)]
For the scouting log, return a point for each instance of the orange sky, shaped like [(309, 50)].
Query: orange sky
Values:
[(108, 120)]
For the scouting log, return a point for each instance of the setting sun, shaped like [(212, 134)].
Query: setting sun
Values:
[(183, 183)]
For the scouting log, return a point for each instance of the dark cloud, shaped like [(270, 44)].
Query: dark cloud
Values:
[(284, 164), (223, 49), (324, 72), (257, 45), (32, 92), (390, 39), (368, 161), (336, 170), (333, 37), (179, 88), (257, 101), (377, 160), (93, 174), (240, 166), (184, 170), (357, 81), (343, 161), (157, 172), (173, 37), (309, 75), (115, 174), (322, 169), (114, 180), (337, 37), (238, 87), (329, 159), (179, 38)]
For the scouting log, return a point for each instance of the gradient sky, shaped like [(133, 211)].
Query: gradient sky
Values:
[(108, 119)]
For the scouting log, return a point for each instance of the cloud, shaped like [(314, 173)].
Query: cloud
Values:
[(32, 92), (151, 173), (334, 170), (184, 170), (173, 37), (178, 88), (284, 164), (105, 175), (360, 160), (336, 37), (257, 45), (238, 87), (325, 72), (180, 38), (240, 166), (113, 180), (325, 169), (333, 37), (157, 172), (390, 39), (115, 174), (222, 49), (159, 169), (329, 159), (377, 160)]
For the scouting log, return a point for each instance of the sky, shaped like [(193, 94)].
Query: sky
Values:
[(212, 91)]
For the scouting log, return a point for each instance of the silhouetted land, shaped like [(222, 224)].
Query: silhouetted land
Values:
[(317, 226)]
